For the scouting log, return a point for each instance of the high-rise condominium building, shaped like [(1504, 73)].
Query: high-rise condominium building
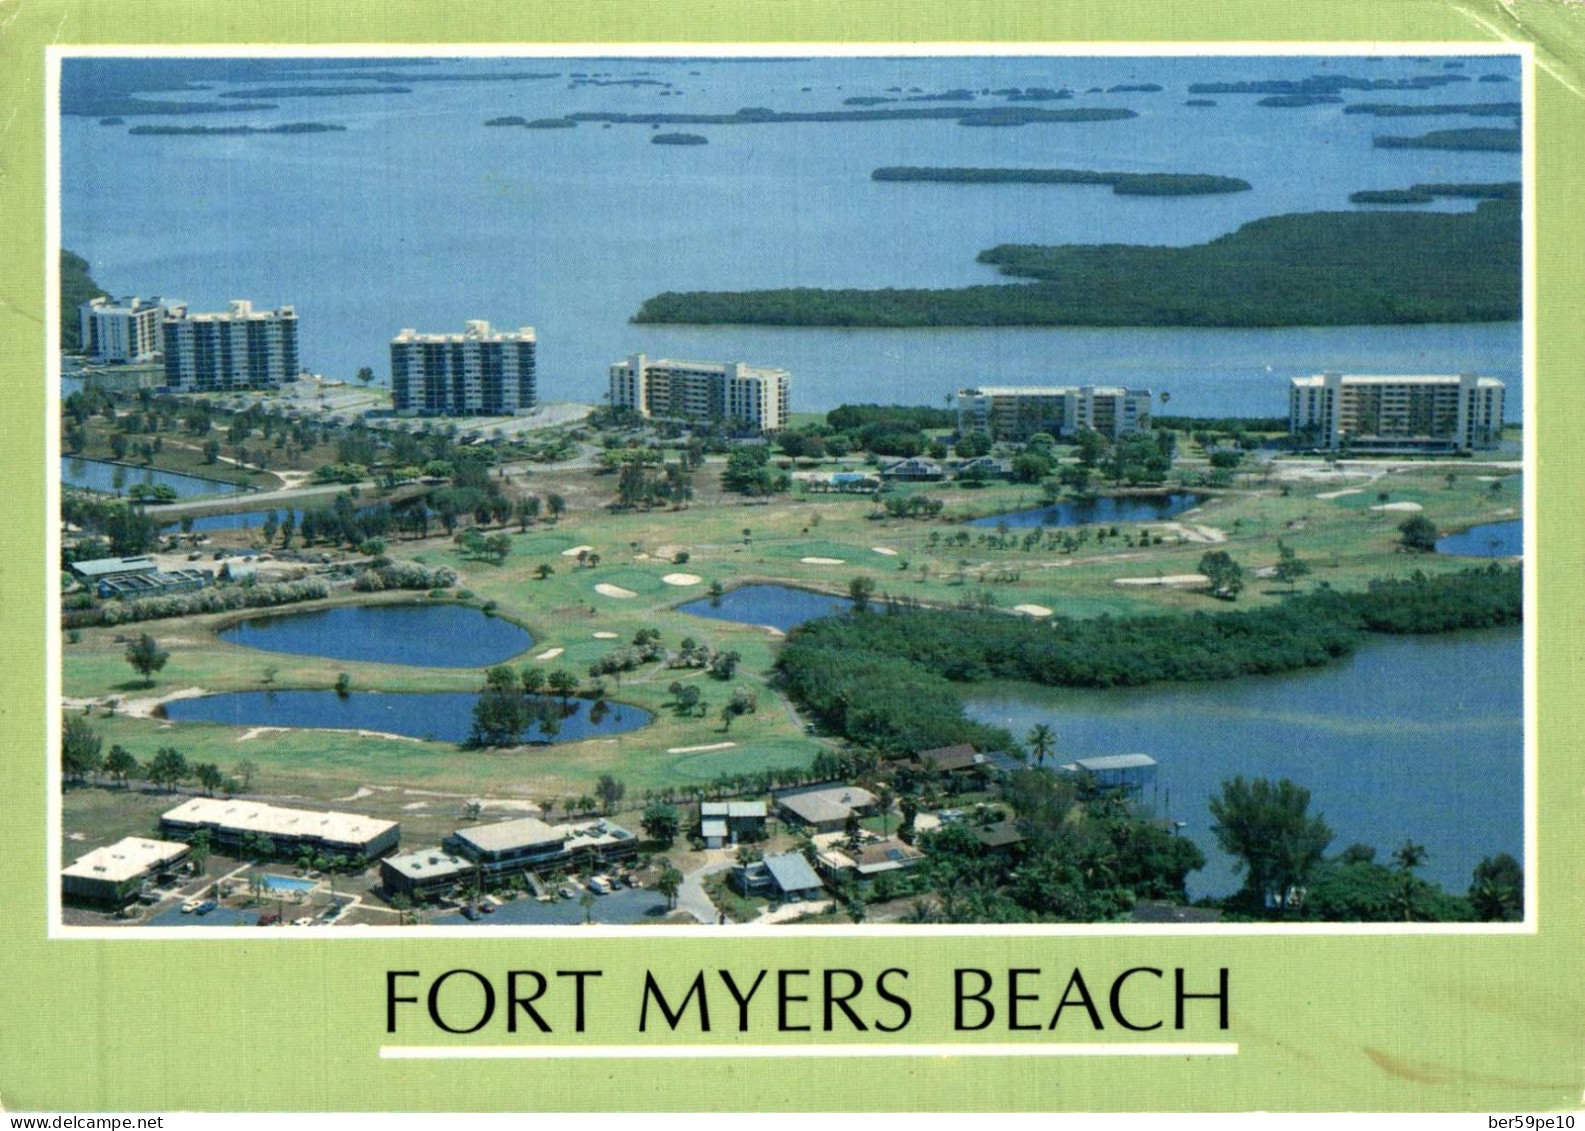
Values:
[(238, 348), (479, 372), (730, 393), (1444, 412), (1016, 413), (121, 329)]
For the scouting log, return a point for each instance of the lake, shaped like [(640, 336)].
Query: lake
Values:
[(439, 716), (282, 219), (1105, 509), (1486, 540), (1413, 738), (234, 520), (778, 606), (100, 475), (430, 636)]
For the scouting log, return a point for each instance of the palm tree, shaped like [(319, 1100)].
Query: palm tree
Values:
[(586, 900), (1040, 739)]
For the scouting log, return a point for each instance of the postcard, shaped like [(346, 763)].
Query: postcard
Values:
[(980, 565)]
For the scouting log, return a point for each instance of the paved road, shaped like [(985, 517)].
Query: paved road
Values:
[(691, 896)]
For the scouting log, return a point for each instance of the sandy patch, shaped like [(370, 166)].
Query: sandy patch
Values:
[(412, 805), (699, 749), (1169, 579), (255, 732), (363, 791), (1032, 610), (144, 708), (607, 590), (682, 579), (773, 630), (605, 636), (887, 550), (1340, 494), (823, 561), (510, 805), (1192, 533), (386, 734), (76, 836), (550, 653), (1403, 506), (574, 551)]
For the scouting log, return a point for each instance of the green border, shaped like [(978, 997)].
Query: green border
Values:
[(1421, 1022)]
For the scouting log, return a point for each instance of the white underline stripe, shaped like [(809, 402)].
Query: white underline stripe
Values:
[(705, 1052)]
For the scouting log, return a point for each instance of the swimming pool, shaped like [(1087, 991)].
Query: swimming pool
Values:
[(289, 883)]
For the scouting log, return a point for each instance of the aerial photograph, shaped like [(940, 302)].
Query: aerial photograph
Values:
[(774, 492)]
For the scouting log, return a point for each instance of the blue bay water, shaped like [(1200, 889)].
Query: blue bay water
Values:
[(419, 215), (1410, 739)]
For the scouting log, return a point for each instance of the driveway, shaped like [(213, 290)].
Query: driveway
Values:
[(691, 896)]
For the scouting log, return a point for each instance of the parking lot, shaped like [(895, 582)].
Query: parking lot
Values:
[(628, 905)]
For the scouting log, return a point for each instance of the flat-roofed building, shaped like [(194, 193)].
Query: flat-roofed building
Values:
[(113, 875), (1374, 413), (235, 824), (725, 822), (1008, 412), (157, 584), (529, 844), (236, 348), (96, 568), (479, 372), (121, 330), (1131, 773), (424, 874), (730, 393)]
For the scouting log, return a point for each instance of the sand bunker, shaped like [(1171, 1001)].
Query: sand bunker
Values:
[(682, 579), (1193, 533), (574, 551), (605, 636), (1403, 506), (1340, 494), (550, 653), (1032, 610), (889, 552), (254, 732), (613, 591), (700, 749), (1169, 579), (823, 561)]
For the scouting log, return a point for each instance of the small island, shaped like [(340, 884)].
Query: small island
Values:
[(1323, 84), (679, 139), (1033, 94), (1297, 101), (236, 131), (313, 91), (1123, 184), (1305, 269), (1135, 88), (112, 121), (1200, 102), (1473, 140), (965, 116), (1436, 109), (1426, 193)]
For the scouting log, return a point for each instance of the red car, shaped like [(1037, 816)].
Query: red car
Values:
[(269, 919)]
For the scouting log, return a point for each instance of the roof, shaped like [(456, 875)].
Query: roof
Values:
[(106, 567), (1115, 762), (1051, 391), (997, 835), (126, 859), (476, 331), (712, 828), (834, 803), (791, 872), (886, 856), (960, 757), (270, 820), (1397, 379), (506, 835), (732, 809), (428, 863)]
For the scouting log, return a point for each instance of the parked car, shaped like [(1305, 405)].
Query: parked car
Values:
[(600, 885), (470, 913), (567, 891), (305, 921), (205, 907), (190, 906), (269, 918), (488, 908)]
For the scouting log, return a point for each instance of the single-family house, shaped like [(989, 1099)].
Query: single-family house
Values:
[(786, 877)]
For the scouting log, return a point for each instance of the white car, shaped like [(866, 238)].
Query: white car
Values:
[(305, 921), (190, 906)]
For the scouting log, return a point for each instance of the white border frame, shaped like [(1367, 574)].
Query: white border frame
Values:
[(52, 542)]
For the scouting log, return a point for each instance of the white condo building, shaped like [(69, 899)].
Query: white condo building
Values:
[(1018, 412), (237, 348), (479, 372), (121, 329), (1442, 412), (702, 390)]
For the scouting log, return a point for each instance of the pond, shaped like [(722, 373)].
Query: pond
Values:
[(430, 636), (1103, 510), (234, 520), (438, 716), (1413, 738), (1487, 540), (777, 606), (100, 475)]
